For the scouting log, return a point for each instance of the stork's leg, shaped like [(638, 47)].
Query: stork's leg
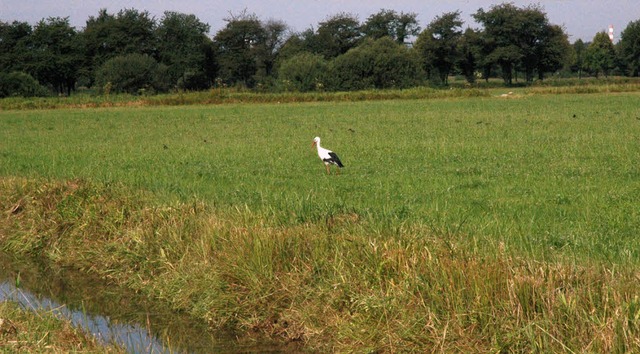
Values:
[(328, 169)]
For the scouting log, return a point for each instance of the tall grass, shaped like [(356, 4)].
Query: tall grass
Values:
[(337, 285)]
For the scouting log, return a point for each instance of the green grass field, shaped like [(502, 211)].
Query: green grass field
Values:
[(542, 174), (451, 215)]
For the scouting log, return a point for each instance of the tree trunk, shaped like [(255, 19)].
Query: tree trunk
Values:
[(507, 74)]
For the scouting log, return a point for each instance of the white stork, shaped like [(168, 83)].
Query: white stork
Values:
[(327, 156)]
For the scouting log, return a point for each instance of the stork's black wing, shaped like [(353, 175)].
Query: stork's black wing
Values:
[(335, 159)]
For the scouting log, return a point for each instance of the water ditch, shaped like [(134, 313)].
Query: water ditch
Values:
[(111, 314)]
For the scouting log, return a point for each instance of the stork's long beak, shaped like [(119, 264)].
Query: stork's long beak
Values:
[(313, 143)]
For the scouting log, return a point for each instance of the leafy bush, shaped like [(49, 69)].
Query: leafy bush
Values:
[(132, 73), (303, 72), (195, 80), (20, 84), (378, 64)]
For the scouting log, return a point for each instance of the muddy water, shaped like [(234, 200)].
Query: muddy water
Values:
[(112, 315)]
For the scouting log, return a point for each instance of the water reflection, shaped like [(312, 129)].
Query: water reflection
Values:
[(111, 314), (134, 338)]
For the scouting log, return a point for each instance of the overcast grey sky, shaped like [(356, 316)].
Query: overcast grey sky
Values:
[(581, 18)]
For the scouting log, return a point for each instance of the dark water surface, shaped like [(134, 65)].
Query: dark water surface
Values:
[(112, 315)]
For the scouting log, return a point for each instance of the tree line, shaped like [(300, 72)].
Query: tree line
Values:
[(130, 51)]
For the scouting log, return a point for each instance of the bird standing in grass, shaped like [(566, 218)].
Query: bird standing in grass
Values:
[(327, 156)]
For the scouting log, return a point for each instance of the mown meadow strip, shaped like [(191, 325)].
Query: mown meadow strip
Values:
[(230, 96), (458, 89)]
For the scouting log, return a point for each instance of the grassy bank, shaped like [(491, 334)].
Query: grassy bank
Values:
[(23, 331), (333, 285)]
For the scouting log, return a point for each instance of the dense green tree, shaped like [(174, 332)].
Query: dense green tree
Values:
[(578, 64), (134, 32), (391, 24), (521, 38), (183, 45), (305, 41), (107, 36), (132, 73), (500, 37), (14, 45), (553, 51), (56, 54), (337, 34), (534, 38), (469, 51), (600, 55), (485, 62), (407, 26), (237, 46), (300, 44), (20, 84), (303, 72), (268, 50), (378, 64), (249, 52), (438, 45), (380, 24), (629, 48), (294, 45)]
